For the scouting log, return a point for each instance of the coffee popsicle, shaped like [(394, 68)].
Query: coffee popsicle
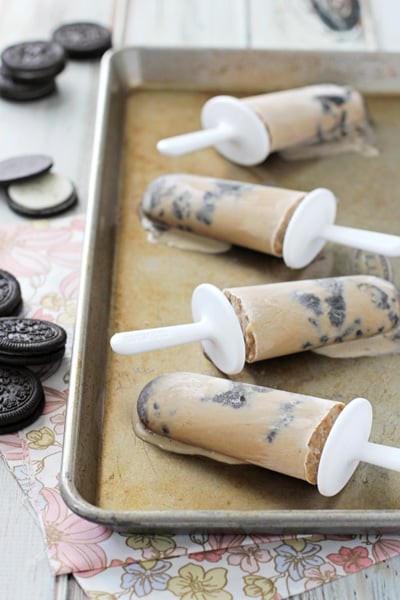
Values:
[(277, 430), (287, 223), (247, 130), (317, 440), (254, 323), (284, 318)]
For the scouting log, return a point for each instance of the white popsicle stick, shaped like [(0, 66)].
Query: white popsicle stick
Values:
[(313, 224), (347, 445), (196, 140), (215, 325), (231, 127)]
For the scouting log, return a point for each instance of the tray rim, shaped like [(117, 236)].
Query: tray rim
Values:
[(272, 521)]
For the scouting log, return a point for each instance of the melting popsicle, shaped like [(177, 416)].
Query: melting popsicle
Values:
[(247, 130), (254, 323), (285, 318), (317, 440), (281, 222)]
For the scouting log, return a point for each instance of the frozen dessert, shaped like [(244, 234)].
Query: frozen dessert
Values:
[(247, 130), (320, 441), (293, 316), (226, 420), (253, 323), (308, 115), (277, 221), (253, 216)]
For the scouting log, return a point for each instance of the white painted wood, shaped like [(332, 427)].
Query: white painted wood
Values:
[(199, 23), (295, 25), (386, 16), (24, 567)]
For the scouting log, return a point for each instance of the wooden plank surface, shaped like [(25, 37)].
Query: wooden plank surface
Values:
[(63, 125)]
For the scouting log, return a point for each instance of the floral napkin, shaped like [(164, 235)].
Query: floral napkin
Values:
[(45, 256)]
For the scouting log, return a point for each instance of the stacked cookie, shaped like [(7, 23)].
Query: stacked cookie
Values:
[(29, 69), (26, 346)]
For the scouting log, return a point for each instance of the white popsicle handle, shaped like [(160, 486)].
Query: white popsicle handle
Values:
[(195, 140), (387, 457), (371, 241), (347, 444), (230, 126), (215, 325), (146, 340), (313, 223)]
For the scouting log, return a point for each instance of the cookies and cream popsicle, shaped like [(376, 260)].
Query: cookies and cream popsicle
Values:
[(281, 222), (277, 430), (253, 216), (314, 439), (284, 318), (253, 323), (247, 130)]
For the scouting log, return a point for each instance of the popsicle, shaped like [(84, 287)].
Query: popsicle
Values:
[(254, 323), (285, 318), (281, 222), (247, 130), (314, 439)]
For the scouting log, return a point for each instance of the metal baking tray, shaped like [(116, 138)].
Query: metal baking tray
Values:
[(108, 475)]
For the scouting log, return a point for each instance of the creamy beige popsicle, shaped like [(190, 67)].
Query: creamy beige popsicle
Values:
[(312, 114), (252, 216), (222, 419), (284, 318), (302, 122)]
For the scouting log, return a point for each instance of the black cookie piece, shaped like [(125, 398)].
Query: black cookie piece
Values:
[(34, 61), (18, 91), (30, 341), (83, 39), (44, 196), (10, 294), (19, 168), (21, 398)]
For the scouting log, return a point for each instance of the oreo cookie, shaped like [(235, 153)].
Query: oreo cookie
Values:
[(34, 61), (83, 39), (19, 91), (10, 294), (29, 342), (21, 398), (44, 196), (19, 168)]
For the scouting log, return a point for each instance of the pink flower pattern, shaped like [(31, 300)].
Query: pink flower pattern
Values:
[(386, 548), (218, 544), (351, 559), (28, 255), (248, 557), (319, 575), (73, 543)]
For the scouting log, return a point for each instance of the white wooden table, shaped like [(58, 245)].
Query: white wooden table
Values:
[(62, 127)]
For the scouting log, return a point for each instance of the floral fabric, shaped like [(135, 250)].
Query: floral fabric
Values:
[(45, 257)]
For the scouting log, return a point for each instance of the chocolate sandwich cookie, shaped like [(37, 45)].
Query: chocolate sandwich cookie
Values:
[(47, 195), (28, 342), (19, 91), (21, 398), (83, 39), (25, 166), (10, 294), (34, 60)]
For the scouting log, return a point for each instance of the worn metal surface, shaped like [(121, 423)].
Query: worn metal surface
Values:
[(108, 475)]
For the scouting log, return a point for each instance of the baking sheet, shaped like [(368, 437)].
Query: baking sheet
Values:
[(110, 476)]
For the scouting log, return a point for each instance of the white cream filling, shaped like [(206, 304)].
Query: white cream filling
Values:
[(44, 191)]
